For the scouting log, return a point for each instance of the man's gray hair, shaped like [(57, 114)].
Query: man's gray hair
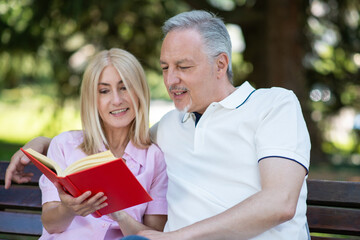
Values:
[(211, 28)]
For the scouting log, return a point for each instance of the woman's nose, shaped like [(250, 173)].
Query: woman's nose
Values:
[(116, 98)]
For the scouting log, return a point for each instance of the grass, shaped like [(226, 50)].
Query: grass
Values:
[(8, 149), (28, 113)]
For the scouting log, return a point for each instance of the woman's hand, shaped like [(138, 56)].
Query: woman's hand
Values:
[(84, 204)]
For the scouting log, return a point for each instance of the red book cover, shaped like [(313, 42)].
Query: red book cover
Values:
[(113, 178)]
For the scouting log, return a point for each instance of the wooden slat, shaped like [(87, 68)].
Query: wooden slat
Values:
[(333, 193), (20, 197), (20, 205), (30, 168), (20, 223), (334, 220)]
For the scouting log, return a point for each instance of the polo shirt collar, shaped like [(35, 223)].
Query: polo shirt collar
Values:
[(233, 101), (238, 97)]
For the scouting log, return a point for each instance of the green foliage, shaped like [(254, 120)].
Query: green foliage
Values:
[(333, 29), (51, 41), (39, 114)]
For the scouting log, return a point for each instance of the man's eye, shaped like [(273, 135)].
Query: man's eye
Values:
[(164, 68), (184, 67)]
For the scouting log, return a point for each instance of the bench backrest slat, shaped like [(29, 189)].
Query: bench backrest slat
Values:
[(20, 197), (333, 207), (334, 220), (20, 223), (334, 193)]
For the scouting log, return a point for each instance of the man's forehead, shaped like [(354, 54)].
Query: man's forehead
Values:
[(176, 61), (181, 45)]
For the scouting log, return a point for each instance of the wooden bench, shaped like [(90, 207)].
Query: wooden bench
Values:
[(333, 207), (20, 207)]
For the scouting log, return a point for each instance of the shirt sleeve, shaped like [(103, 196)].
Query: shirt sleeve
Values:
[(48, 189), (282, 131), (158, 188)]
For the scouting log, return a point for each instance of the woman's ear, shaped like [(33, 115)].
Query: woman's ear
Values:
[(222, 63)]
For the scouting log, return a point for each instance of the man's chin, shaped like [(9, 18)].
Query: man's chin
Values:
[(183, 109)]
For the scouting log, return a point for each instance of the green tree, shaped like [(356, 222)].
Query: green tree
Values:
[(51, 41)]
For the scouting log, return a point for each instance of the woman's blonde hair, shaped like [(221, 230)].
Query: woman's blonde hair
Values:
[(133, 76)]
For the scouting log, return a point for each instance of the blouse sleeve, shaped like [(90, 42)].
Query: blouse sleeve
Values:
[(158, 188), (48, 190)]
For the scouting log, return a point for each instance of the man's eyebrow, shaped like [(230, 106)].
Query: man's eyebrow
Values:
[(185, 60)]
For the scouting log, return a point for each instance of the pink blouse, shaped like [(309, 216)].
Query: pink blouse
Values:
[(147, 165)]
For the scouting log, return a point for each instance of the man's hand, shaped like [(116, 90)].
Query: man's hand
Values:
[(15, 170)]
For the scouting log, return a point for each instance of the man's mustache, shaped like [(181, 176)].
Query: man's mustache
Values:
[(177, 88)]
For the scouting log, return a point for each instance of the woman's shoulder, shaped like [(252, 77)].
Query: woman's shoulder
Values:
[(70, 137), (154, 149)]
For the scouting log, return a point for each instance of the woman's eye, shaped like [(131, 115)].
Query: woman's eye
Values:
[(103, 91)]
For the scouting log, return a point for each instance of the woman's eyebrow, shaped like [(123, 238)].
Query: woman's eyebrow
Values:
[(108, 84)]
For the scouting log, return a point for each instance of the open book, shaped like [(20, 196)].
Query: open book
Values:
[(100, 172)]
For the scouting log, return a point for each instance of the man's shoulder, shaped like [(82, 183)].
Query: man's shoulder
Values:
[(163, 123), (171, 116), (274, 93)]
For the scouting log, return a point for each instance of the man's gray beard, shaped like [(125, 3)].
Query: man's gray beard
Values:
[(186, 108)]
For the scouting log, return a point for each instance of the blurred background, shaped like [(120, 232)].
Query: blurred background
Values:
[(309, 46)]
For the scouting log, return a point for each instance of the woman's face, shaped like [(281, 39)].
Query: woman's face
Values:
[(114, 103)]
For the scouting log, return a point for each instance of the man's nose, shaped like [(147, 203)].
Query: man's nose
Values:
[(172, 77)]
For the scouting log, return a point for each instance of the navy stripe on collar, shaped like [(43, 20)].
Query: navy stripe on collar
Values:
[(246, 99)]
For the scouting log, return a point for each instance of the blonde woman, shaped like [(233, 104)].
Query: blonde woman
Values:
[(114, 114)]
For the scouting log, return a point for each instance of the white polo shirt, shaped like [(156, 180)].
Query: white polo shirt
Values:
[(214, 165)]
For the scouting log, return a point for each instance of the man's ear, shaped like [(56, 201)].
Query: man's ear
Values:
[(222, 63)]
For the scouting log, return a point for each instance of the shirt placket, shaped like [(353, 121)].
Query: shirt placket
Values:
[(201, 127)]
